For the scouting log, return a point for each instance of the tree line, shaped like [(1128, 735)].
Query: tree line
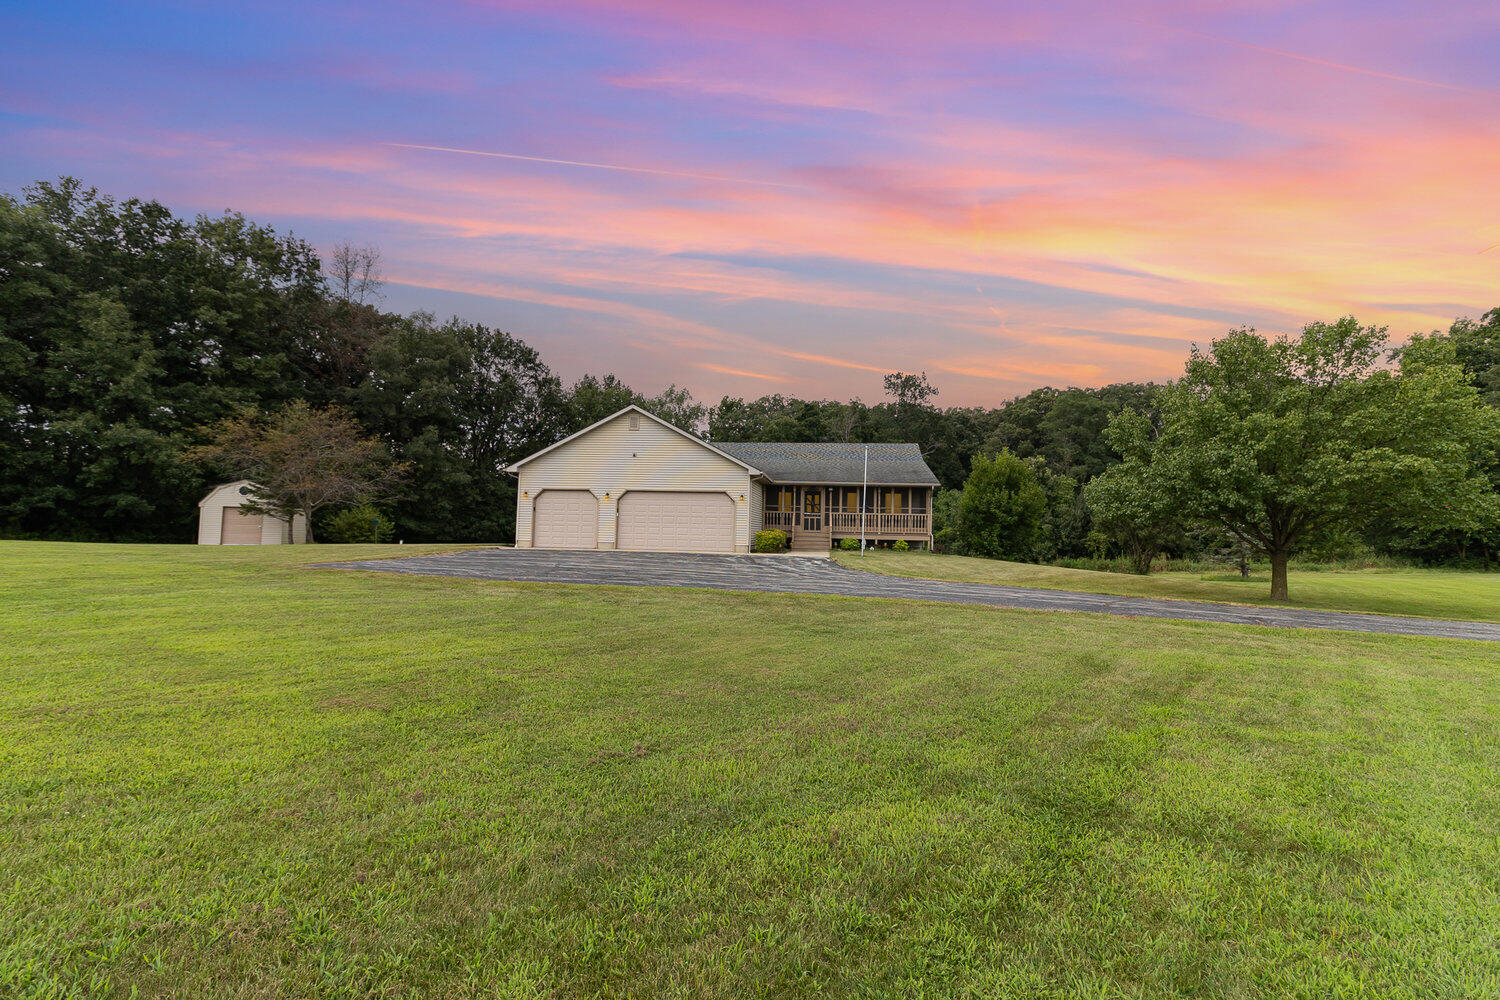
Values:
[(130, 338)]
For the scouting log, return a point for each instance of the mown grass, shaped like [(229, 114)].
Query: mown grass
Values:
[(223, 775), (1432, 593)]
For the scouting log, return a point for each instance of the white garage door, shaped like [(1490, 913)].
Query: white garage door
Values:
[(239, 527), (677, 522), (565, 519)]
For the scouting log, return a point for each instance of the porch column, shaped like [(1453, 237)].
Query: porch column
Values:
[(929, 518)]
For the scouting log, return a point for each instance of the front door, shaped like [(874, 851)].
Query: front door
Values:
[(812, 509)]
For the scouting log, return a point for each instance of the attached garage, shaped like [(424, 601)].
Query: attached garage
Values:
[(565, 519), (676, 522), (221, 521), (634, 481)]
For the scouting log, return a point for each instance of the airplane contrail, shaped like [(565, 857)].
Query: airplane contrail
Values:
[(1316, 61), (595, 166), (1490, 247)]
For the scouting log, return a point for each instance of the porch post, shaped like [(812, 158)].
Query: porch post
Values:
[(864, 500)]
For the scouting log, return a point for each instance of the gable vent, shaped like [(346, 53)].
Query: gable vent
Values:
[(635, 421)]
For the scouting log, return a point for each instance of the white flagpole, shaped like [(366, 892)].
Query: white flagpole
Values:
[(864, 500)]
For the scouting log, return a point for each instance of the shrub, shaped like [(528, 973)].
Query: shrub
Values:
[(849, 544), (360, 524), (1001, 508), (900, 545), (1130, 506), (945, 521), (770, 540)]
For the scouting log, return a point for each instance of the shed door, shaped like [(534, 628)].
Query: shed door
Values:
[(240, 528), (565, 519), (677, 522)]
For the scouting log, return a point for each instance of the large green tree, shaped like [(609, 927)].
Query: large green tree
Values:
[(459, 401), (1279, 440), (786, 418), (1128, 502), (125, 330), (122, 329), (1066, 426), (301, 460), (1001, 509), (592, 398), (1476, 345)]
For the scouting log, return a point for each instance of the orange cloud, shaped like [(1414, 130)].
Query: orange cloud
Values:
[(739, 372), (882, 203)]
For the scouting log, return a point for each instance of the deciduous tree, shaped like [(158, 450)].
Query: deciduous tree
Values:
[(1277, 440), (122, 329), (1128, 502), (300, 460), (354, 273), (910, 389), (592, 398), (459, 401), (1001, 509)]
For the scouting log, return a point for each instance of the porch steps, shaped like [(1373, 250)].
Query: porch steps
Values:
[(812, 541)]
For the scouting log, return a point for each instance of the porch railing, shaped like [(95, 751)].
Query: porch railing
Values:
[(846, 523), (784, 519)]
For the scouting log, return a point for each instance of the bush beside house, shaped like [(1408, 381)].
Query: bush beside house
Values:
[(770, 540)]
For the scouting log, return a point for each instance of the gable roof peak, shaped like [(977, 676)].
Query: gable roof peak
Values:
[(645, 413)]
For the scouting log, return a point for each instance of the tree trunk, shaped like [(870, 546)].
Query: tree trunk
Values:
[(1278, 574), (307, 519), (1141, 559)]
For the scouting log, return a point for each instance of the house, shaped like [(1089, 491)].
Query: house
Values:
[(634, 481), (222, 522)]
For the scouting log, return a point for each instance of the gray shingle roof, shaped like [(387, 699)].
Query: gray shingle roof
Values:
[(796, 462)]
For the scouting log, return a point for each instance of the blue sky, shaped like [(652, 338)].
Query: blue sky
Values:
[(781, 197)]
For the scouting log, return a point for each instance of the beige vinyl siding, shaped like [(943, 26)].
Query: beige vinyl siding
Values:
[(611, 459), (757, 497)]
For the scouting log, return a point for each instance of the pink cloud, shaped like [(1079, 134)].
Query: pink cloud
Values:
[(864, 199)]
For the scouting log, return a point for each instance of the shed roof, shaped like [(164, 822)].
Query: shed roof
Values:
[(833, 462), (223, 486)]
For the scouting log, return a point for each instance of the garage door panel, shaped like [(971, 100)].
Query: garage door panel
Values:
[(565, 519), (676, 522), (240, 528)]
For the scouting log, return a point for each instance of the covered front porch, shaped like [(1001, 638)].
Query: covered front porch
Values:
[(818, 514)]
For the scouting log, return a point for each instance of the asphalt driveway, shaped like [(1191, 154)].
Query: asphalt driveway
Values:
[(800, 575)]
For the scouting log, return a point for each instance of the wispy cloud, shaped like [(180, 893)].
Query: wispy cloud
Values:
[(1315, 61), (739, 372), (804, 200), (595, 166)]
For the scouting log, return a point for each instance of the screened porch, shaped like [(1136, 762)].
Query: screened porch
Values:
[(880, 513)]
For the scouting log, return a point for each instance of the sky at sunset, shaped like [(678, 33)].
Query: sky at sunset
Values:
[(797, 197)]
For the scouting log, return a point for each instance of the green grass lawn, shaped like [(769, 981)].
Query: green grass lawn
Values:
[(224, 775), (1434, 593)]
